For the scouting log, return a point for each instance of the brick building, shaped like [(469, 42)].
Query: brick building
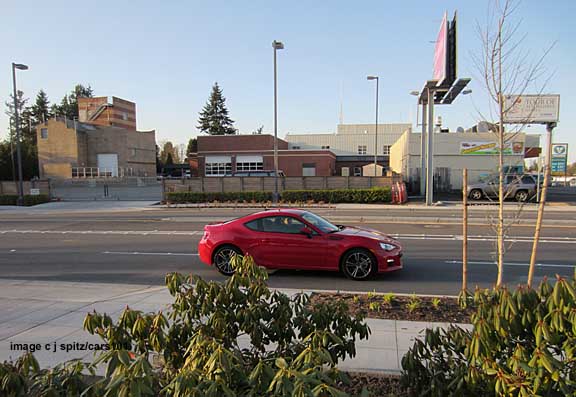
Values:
[(224, 155), (108, 111)]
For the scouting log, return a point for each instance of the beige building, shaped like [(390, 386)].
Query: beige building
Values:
[(476, 151), (70, 149)]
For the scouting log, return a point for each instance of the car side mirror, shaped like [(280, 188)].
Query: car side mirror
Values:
[(306, 231)]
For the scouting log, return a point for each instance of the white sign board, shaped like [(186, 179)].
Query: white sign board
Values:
[(531, 109), (34, 192)]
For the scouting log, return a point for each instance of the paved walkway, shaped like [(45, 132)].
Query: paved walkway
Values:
[(49, 316)]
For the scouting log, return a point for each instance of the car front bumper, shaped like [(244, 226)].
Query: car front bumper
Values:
[(390, 262)]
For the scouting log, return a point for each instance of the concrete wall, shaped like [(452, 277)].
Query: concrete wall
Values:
[(135, 149), (11, 187), (59, 151), (248, 184)]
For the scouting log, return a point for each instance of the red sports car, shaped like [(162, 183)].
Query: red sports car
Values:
[(297, 239)]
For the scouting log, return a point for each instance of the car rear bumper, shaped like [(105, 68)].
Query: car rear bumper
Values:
[(390, 263), (204, 252)]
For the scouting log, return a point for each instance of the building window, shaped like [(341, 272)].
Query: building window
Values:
[(362, 149), (295, 147), (124, 116), (357, 171), (326, 147), (44, 133), (218, 169), (309, 169), (257, 166), (386, 150)]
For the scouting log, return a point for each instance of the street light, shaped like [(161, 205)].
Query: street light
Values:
[(376, 125), (276, 45), (18, 66)]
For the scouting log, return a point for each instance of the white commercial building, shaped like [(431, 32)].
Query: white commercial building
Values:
[(476, 151)]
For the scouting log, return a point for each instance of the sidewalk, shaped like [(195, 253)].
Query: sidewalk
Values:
[(49, 315)]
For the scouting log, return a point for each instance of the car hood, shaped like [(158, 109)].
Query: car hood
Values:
[(367, 233)]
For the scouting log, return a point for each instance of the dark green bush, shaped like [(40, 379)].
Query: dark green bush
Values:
[(12, 199), (523, 343), (236, 338), (374, 195)]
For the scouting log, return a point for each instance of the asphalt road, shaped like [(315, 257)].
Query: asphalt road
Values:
[(139, 247)]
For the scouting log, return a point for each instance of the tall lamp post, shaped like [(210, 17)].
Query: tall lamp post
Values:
[(18, 66), (276, 45), (376, 125)]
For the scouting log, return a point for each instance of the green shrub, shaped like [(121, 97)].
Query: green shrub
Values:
[(288, 347), (523, 343), (12, 199), (374, 195)]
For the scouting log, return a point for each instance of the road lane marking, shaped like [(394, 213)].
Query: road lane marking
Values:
[(147, 253), (104, 232), (431, 237), (511, 264)]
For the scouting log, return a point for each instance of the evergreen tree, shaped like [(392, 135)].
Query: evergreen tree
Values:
[(40, 111), (169, 160), (28, 148), (69, 105), (192, 146), (214, 118)]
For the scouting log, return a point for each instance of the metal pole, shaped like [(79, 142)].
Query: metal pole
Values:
[(541, 204), (423, 152), (376, 131), (430, 150), (18, 148), (275, 198), (464, 230), (538, 168)]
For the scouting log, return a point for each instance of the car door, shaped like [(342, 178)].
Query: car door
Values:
[(282, 245)]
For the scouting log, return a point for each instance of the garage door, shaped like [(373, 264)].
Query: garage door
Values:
[(108, 164)]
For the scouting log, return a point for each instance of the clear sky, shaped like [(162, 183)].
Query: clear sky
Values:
[(165, 56)]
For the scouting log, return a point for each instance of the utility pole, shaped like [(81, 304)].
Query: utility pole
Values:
[(375, 125), (464, 230), (430, 150), (277, 45), (18, 143)]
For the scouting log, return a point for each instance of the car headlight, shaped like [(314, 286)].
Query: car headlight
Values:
[(387, 247)]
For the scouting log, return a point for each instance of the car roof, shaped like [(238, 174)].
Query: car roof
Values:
[(275, 211)]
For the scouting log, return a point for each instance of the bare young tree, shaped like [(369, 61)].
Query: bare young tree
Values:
[(504, 68)]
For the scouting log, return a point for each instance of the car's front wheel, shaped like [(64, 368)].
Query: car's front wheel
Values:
[(223, 259), (476, 194), (358, 264), (521, 195)]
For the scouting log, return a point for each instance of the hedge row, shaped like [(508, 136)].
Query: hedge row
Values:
[(374, 195), (12, 199)]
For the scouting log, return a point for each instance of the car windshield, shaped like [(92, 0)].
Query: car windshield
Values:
[(320, 222)]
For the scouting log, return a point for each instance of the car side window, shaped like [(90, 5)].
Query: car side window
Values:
[(282, 224), (528, 180), (255, 225)]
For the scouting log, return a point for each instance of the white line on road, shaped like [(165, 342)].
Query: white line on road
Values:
[(147, 253), (510, 264), (432, 237)]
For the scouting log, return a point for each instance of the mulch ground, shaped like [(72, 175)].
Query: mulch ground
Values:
[(377, 385), (407, 308)]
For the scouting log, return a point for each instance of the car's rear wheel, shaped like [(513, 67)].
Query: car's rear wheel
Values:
[(358, 264), (521, 195), (223, 259), (476, 194)]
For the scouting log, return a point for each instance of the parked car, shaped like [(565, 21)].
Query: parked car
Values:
[(518, 187), (297, 239)]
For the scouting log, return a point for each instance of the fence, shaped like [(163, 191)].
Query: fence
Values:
[(251, 184), (11, 187)]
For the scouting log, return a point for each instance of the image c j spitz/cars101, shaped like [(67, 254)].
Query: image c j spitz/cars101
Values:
[(297, 239)]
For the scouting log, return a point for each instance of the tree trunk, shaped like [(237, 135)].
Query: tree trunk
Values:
[(541, 205)]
